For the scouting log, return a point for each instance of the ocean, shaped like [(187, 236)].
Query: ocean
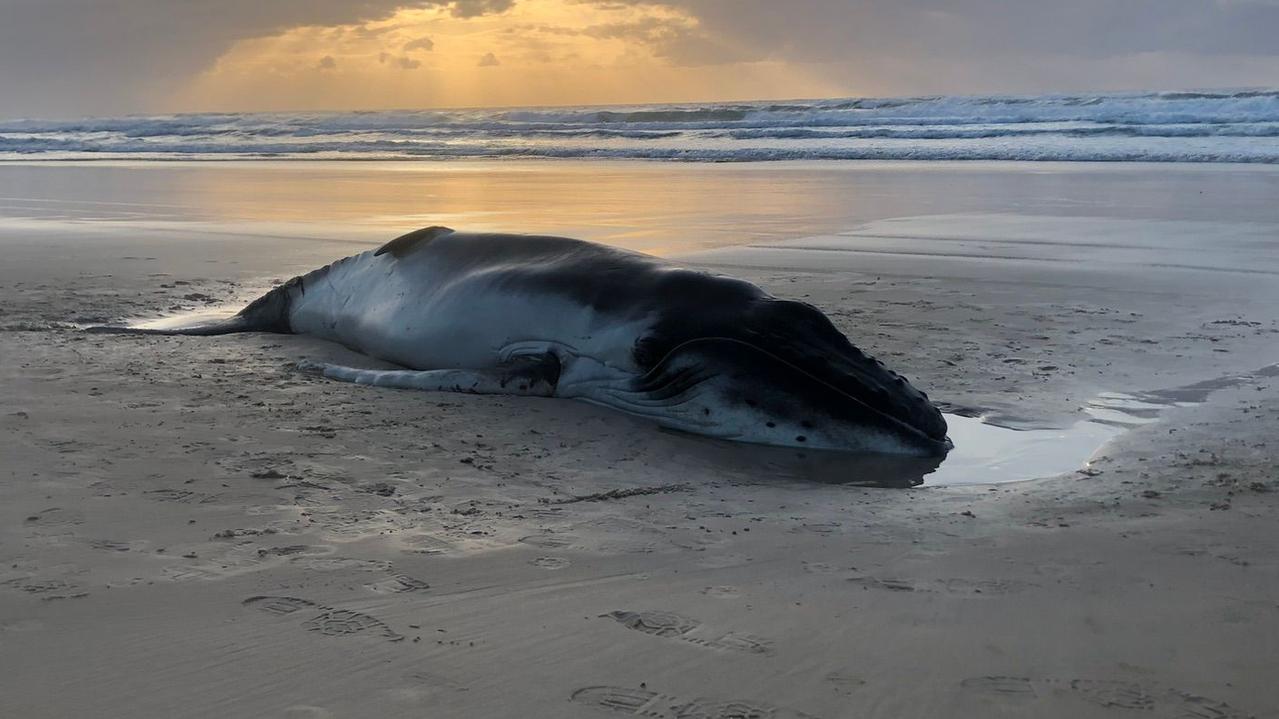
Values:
[(1232, 127)]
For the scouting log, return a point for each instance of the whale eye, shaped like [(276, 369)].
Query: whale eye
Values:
[(771, 424), (706, 411), (801, 438)]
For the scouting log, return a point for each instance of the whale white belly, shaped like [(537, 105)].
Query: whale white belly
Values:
[(406, 311)]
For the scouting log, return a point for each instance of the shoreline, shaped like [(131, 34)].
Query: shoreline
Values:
[(429, 162)]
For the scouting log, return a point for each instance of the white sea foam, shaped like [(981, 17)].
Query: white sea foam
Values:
[(1237, 126)]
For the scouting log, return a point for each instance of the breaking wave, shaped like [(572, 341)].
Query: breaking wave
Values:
[(1209, 126)]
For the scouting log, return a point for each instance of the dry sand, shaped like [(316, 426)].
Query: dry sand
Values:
[(190, 527)]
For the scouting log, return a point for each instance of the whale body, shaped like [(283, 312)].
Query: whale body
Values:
[(558, 317)]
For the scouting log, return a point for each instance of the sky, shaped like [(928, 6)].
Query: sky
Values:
[(61, 58)]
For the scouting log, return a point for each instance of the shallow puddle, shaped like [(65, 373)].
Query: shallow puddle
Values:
[(985, 452), (988, 453)]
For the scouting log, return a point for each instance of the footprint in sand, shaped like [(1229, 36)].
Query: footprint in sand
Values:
[(570, 542), (349, 527), (641, 702), (327, 620), (338, 564), (820, 568), (181, 496), (46, 589), (33, 585), (339, 622), (220, 562), (550, 562), (397, 584), (844, 683), (626, 546), (1000, 686), (426, 544), (892, 585), (278, 605), (955, 587), (1106, 693), (56, 517), (550, 541), (816, 528), (687, 629), (111, 545), (987, 587), (1113, 694), (306, 711)]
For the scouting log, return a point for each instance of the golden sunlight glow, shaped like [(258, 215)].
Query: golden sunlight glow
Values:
[(538, 52)]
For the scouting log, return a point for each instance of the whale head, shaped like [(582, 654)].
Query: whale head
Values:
[(779, 373)]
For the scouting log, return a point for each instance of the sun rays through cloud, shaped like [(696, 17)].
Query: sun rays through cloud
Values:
[(535, 52)]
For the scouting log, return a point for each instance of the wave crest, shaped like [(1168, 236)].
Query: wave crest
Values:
[(1183, 126)]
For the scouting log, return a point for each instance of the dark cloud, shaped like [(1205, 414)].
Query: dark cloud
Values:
[(422, 43), (966, 46), (475, 8), (489, 60), (404, 62), (833, 30), (328, 63)]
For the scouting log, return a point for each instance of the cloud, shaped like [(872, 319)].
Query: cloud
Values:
[(145, 50), (910, 46), (840, 30), (648, 29), (327, 63), (475, 8), (422, 43), (403, 62), (489, 60)]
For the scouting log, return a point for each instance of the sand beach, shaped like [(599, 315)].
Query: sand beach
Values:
[(192, 527)]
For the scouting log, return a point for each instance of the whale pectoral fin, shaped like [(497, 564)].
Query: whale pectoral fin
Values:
[(529, 376), (404, 244)]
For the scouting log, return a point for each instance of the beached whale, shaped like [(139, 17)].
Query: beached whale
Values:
[(557, 317)]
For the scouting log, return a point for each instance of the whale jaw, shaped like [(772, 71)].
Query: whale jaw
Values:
[(733, 390)]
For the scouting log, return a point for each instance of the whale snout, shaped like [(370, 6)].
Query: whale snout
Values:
[(737, 390), (802, 336)]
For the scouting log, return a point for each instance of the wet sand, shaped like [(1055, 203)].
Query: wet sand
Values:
[(191, 527)]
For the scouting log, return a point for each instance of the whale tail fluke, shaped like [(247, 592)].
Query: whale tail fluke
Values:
[(268, 313), (206, 328)]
